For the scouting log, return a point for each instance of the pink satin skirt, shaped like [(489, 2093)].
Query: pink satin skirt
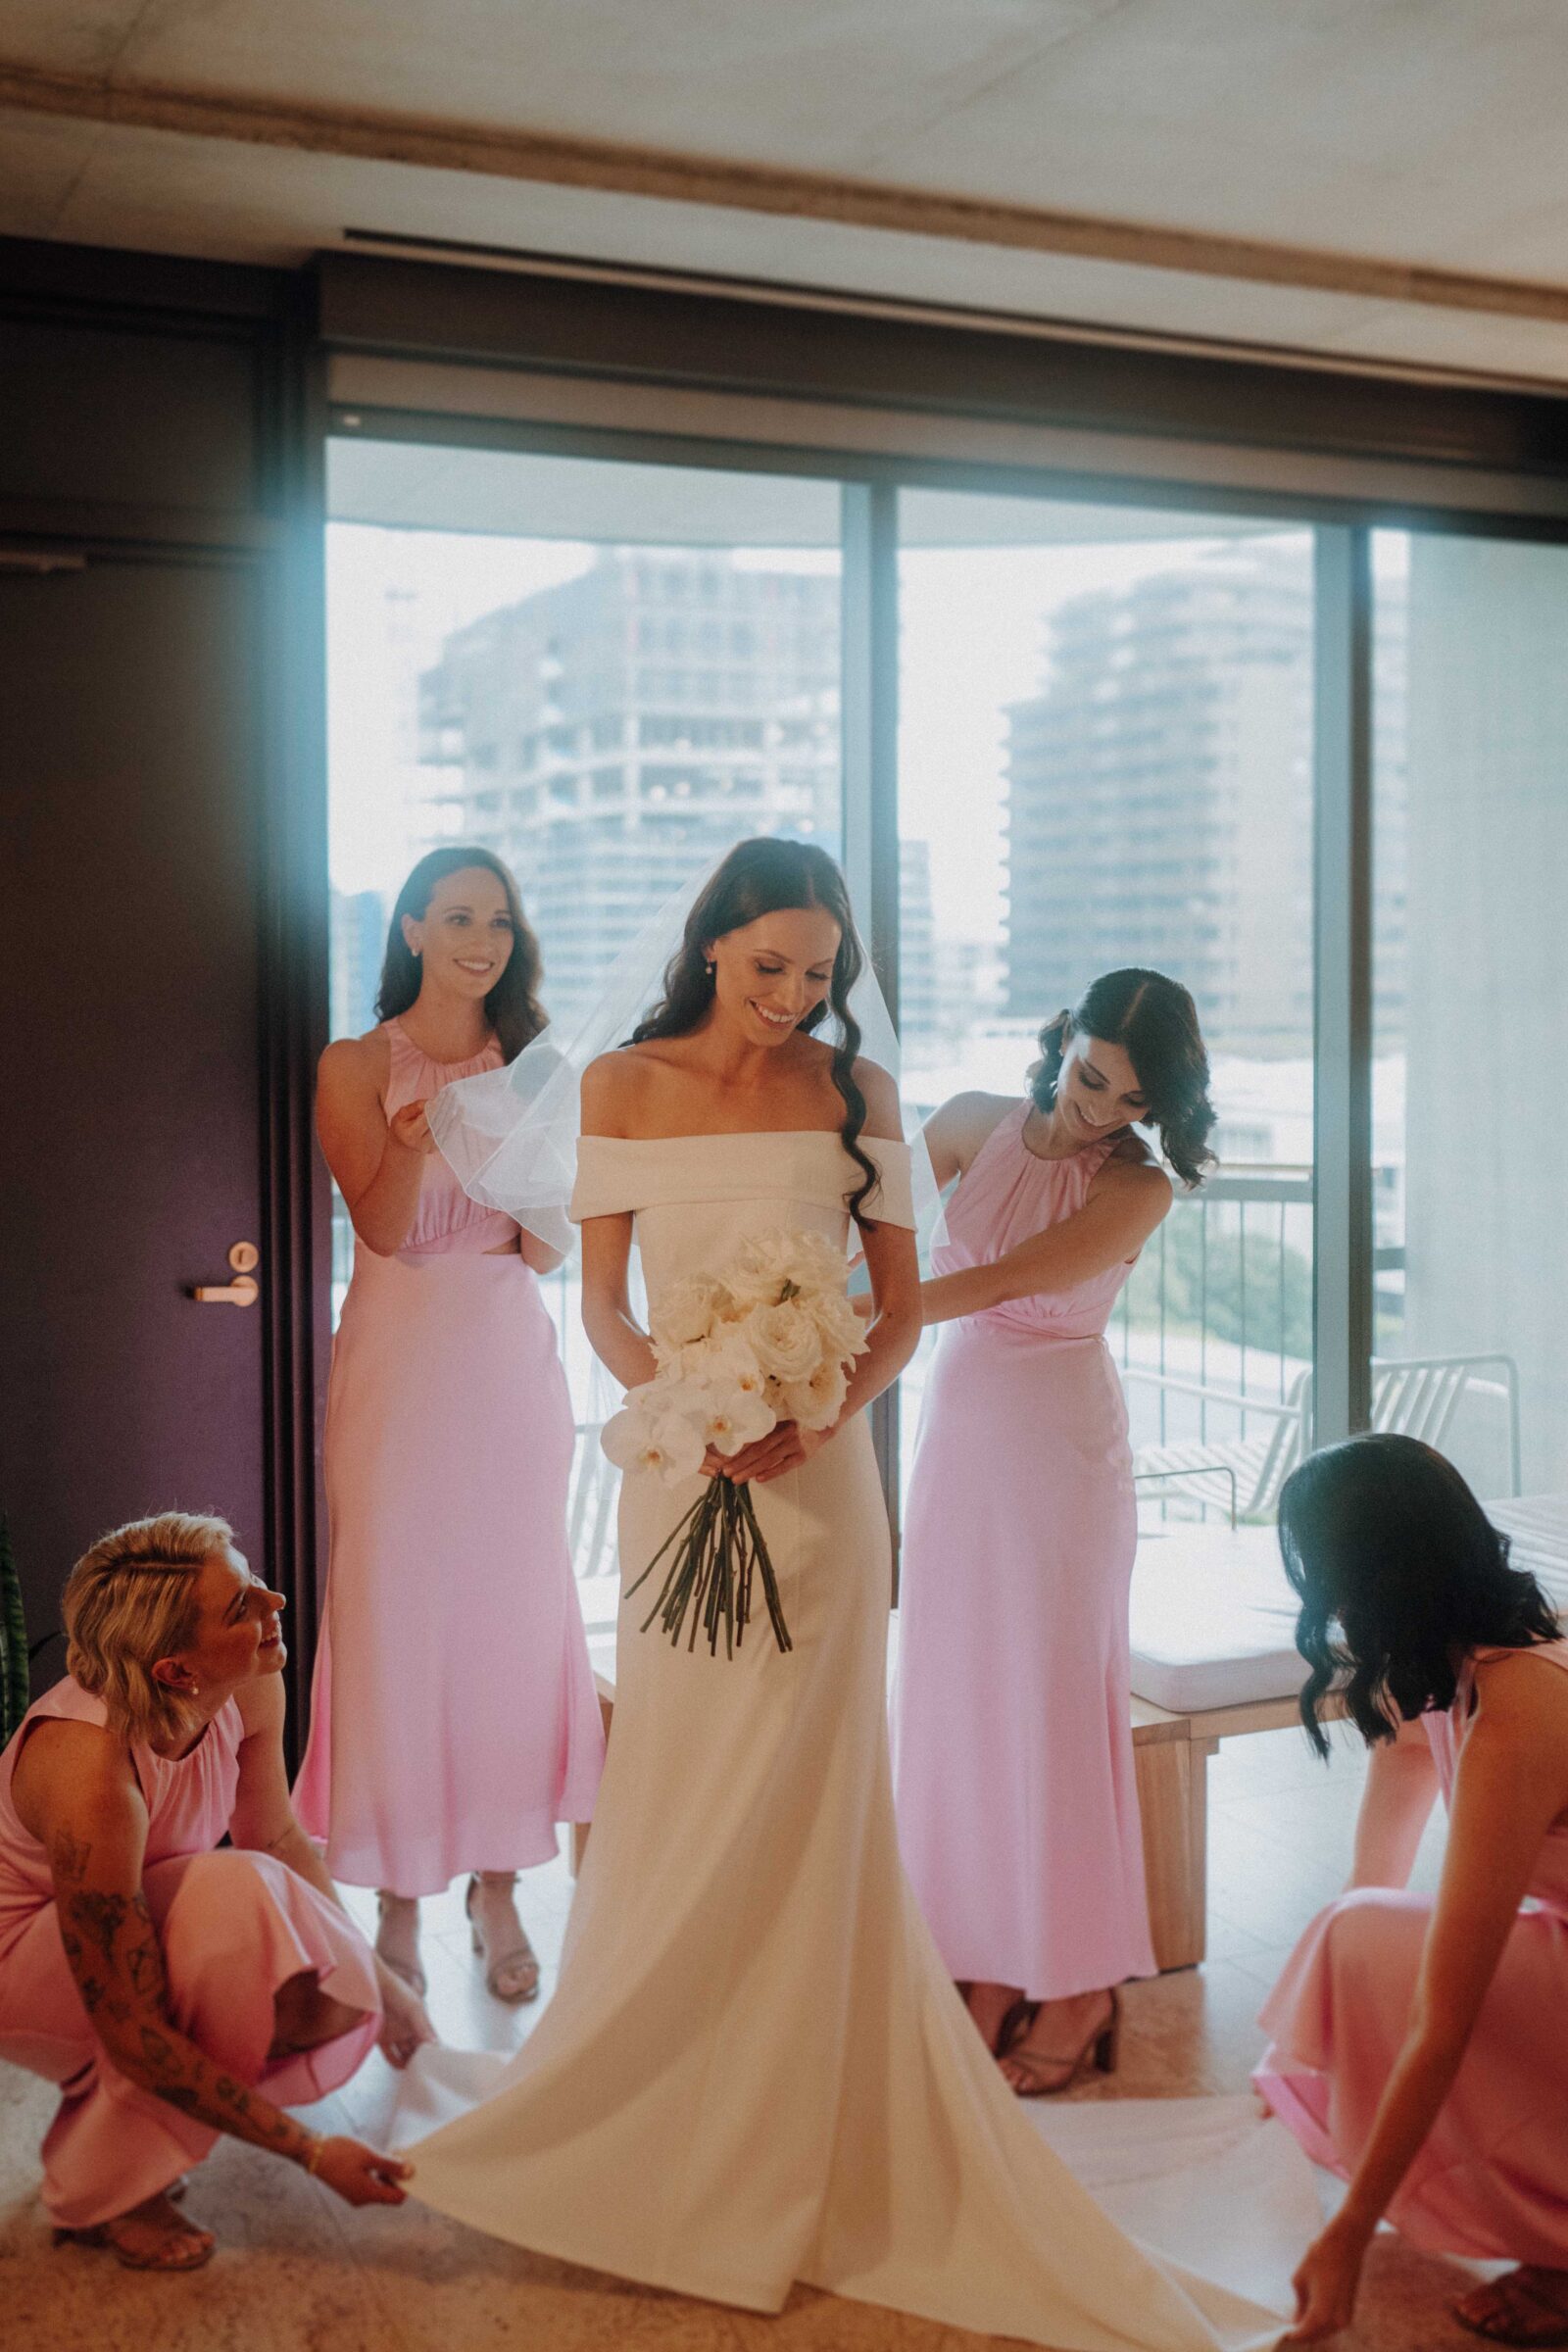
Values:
[(454, 1720), (1491, 2180)]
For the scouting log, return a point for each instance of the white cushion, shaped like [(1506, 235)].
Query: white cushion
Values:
[(1537, 1524), (1213, 1620)]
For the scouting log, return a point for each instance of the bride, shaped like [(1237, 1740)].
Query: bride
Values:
[(756, 2070)]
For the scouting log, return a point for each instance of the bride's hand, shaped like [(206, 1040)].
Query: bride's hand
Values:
[(785, 1447)]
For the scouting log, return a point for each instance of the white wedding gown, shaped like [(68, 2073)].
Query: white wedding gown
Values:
[(755, 2069)]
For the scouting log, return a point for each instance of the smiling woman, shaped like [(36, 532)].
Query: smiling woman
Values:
[(447, 1454), (1017, 1805), (176, 1992)]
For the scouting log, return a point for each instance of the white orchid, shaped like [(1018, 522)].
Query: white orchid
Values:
[(729, 1356), (729, 1419), (651, 1435)]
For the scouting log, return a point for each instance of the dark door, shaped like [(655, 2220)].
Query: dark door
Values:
[(130, 1136)]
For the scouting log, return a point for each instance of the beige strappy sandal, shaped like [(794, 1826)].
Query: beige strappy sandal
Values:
[(1045, 2073), (184, 2248), (511, 1976), (408, 1971)]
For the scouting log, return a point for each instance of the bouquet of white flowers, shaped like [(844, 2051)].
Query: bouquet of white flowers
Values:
[(771, 1339)]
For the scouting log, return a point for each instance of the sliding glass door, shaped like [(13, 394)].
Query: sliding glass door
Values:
[(1105, 759), (608, 667), (1471, 1038)]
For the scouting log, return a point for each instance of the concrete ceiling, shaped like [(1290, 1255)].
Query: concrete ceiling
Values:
[(1366, 180)]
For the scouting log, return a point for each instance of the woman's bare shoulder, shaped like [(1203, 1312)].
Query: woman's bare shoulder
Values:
[(1131, 1151), (1131, 1171), (356, 1064), (65, 1758), (614, 1086), (970, 1118), (262, 1706), (1515, 1687), (884, 1113)]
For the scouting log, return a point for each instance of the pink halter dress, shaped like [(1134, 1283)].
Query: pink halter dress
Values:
[(234, 1926), (454, 1720), (1491, 2179), (1012, 1743)]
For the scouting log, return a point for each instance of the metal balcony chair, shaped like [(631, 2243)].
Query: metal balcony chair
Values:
[(1416, 1397)]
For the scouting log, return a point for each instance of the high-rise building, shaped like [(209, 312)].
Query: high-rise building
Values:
[(358, 921), (1161, 796), (919, 1006), (613, 735)]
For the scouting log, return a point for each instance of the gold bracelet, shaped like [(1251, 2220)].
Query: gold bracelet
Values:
[(313, 2159)]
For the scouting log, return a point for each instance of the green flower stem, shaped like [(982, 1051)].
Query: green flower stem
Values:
[(717, 1546)]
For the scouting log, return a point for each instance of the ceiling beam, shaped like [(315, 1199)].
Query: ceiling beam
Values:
[(531, 156)]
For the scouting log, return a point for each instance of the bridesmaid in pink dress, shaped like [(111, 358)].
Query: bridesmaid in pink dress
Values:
[(1013, 1764), (175, 1993), (1419, 2047), (454, 1720)]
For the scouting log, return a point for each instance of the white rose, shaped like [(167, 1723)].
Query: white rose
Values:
[(785, 1340), (817, 1403), (686, 1313), (817, 1263), (843, 1331), (761, 1268)]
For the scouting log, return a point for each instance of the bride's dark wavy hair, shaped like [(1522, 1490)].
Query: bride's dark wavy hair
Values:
[(772, 875), (1156, 1022), (513, 1008), (1400, 1573)]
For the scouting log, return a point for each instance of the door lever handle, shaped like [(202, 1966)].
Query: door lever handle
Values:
[(244, 1290)]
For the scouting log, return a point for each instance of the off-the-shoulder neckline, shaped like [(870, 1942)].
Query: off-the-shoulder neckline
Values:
[(750, 1135)]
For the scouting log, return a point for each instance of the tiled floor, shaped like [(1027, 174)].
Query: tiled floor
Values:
[(299, 2272)]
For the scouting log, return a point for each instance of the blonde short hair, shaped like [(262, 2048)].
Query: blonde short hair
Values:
[(132, 1600)]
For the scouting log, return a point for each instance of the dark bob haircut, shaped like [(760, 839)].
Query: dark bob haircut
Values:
[(1156, 1022), (1399, 1574)]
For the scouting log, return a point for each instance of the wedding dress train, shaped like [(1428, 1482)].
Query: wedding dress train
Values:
[(755, 2069)]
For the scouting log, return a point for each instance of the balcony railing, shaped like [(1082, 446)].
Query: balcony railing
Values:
[(1222, 1296)]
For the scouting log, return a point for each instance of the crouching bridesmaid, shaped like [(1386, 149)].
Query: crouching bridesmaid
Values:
[(171, 1990), (1419, 2047)]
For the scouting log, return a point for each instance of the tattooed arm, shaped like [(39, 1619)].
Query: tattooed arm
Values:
[(83, 1801)]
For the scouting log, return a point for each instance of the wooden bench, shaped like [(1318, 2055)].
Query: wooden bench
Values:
[(1171, 1755)]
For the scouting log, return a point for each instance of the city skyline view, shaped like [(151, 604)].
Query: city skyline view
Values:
[(1105, 756)]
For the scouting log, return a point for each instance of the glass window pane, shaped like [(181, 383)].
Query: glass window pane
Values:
[(1106, 760), (606, 673), (1471, 847)]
